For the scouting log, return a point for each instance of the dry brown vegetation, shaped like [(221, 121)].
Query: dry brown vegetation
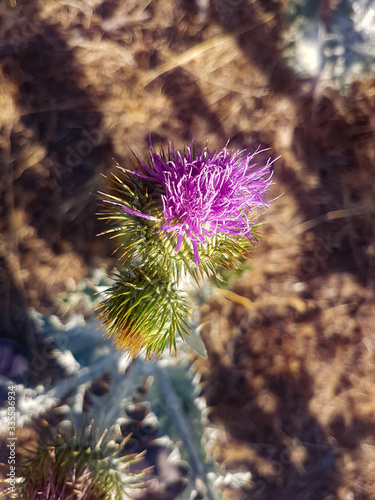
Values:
[(290, 375)]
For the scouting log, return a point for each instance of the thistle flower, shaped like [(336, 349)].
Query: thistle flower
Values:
[(181, 213), (205, 195), (187, 211)]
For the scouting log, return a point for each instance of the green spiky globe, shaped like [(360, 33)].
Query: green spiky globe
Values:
[(144, 311)]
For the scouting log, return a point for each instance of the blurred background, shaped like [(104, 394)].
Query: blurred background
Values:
[(280, 397)]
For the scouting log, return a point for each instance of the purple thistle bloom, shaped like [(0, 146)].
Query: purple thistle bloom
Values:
[(207, 194)]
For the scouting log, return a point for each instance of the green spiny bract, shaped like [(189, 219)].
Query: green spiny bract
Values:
[(143, 312)]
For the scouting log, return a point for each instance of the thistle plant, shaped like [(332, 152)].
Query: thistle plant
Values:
[(181, 214), (79, 467), (87, 429)]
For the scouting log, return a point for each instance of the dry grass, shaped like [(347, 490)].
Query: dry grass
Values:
[(290, 367)]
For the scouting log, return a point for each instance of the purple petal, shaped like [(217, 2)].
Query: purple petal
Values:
[(196, 255), (180, 237), (140, 214)]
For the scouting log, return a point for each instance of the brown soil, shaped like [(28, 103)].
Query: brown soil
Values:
[(290, 369)]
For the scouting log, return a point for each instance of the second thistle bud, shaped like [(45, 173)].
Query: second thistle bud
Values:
[(144, 312)]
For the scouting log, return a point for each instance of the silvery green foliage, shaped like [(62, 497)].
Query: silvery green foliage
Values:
[(84, 355), (80, 422), (337, 47), (160, 403), (182, 411)]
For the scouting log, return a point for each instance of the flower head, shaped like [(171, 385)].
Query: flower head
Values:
[(181, 214), (208, 194)]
